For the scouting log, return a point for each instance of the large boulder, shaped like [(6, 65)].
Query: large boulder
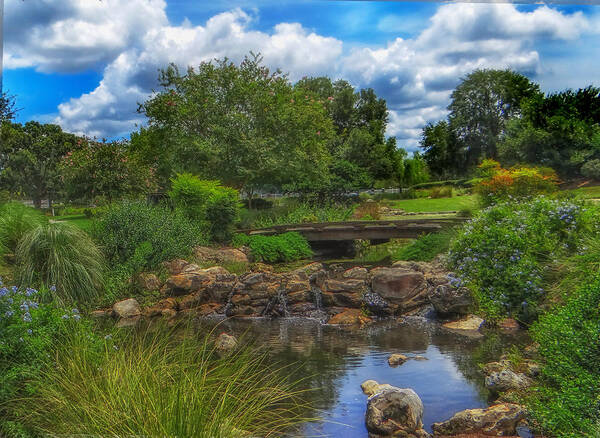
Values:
[(498, 420), (402, 289), (214, 283), (470, 323), (128, 308), (344, 293), (506, 380), (395, 411), (448, 300), (220, 255), (397, 359), (148, 281)]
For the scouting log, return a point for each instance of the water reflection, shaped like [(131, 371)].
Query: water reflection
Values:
[(335, 361)]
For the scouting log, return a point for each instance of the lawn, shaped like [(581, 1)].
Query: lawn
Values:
[(456, 203), (588, 192), (78, 220)]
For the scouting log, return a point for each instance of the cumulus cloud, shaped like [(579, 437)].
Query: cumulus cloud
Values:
[(135, 39)]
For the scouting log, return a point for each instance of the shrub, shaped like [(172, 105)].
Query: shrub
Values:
[(258, 204), (155, 233), (163, 383), (191, 194), (28, 329), (591, 169), (368, 210), (503, 253), (426, 247), (222, 210), (566, 402), (441, 192), (63, 257), (286, 247), (501, 184), (16, 219)]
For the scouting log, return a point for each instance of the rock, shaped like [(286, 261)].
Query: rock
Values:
[(220, 255), (225, 343), (349, 316), (403, 290), (395, 411), (127, 322), (176, 266), (371, 387), (397, 359), (102, 313), (498, 420), (506, 380), (168, 313), (471, 322), (509, 324), (127, 308), (356, 273), (417, 357), (149, 282), (448, 300)]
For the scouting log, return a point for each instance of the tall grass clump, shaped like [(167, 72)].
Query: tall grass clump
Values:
[(63, 258), (286, 247), (163, 383), (426, 247), (16, 219), (295, 213)]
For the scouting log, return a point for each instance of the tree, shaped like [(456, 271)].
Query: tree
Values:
[(243, 125), (8, 108), (29, 157), (442, 151), (481, 106)]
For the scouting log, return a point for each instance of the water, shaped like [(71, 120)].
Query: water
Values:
[(337, 360)]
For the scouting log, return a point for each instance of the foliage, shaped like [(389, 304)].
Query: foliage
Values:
[(16, 219), (63, 257), (29, 159), (296, 213), (163, 383), (370, 209), (191, 194), (441, 192), (106, 170), (502, 253), (28, 329), (518, 182), (222, 211), (142, 236), (286, 247), (566, 402), (426, 247), (8, 109), (591, 169), (423, 205)]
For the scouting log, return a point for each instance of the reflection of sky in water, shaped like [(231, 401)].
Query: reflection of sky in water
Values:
[(442, 388)]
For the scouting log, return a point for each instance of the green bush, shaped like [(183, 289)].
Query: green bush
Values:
[(441, 192), (28, 330), (163, 383), (426, 247), (566, 402), (504, 252), (64, 258), (16, 219), (294, 212), (191, 194), (591, 169), (143, 236), (222, 211), (286, 247)]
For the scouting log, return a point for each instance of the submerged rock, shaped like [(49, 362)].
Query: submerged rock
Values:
[(395, 411), (225, 343), (349, 316), (498, 420), (397, 359), (371, 387), (471, 322), (128, 308)]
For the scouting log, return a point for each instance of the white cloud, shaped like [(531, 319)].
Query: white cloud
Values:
[(415, 75)]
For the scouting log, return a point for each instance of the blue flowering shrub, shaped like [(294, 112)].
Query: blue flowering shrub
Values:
[(28, 330), (504, 253)]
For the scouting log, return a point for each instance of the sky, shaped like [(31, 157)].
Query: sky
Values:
[(86, 64)]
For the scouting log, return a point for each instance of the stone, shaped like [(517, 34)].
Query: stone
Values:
[(176, 266), (102, 313), (349, 316), (148, 281), (168, 313), (225, 343), (127, 322), (356, 273), (417, 357), (448, 300), (371, 387), (498, 420), (220, 255), (509, 324), (506, 380), (397, 359), (471, 322), (401, 289), (128, 308), (395, 411)]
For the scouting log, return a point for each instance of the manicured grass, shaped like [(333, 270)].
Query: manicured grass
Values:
[(456, 203), (78, 220), (588, 192)]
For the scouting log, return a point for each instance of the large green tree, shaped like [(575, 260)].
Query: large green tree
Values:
[(8, 107), (242, 124), (29, 158)]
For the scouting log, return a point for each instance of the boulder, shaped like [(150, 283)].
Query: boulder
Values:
[(349, 316), (101, 313), (128, 308), (403, 290), (356, 273), (371, 387), (498, 420), (397, 359), (220, 255), (395, 411), (176, 266), (148, 281), (506, 380), (448, 300), (471, 322), (225, 343)]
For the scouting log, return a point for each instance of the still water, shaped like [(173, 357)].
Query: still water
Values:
[(339, 359)]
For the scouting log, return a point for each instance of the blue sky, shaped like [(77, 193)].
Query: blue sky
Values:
[(85, 64)]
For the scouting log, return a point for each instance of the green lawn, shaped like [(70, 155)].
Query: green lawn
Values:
[(456, 203), (588, 192), (78, 220)]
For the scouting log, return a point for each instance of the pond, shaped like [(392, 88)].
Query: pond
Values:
[(337, 360)]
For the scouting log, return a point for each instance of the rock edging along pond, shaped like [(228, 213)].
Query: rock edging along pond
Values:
[(341, 297)]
